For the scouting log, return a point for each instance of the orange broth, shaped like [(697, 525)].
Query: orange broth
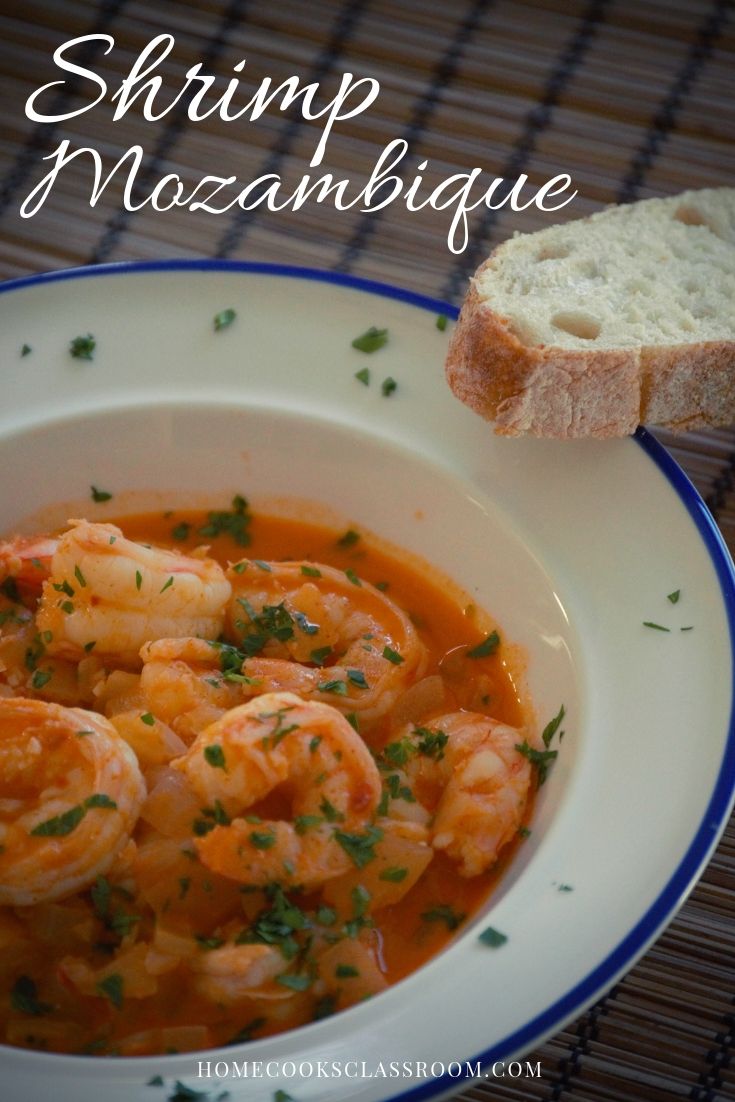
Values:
[(402, 937)]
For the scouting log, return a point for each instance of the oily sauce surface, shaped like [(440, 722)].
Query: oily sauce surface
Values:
[(112, 926)]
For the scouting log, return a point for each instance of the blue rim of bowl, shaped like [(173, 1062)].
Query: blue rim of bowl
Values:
[(718, 809)]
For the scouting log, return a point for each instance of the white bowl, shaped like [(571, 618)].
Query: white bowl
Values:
[(569, 546)]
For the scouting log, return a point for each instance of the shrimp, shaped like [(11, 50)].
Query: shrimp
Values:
[(182, 683), (313, 752), (108, 594), (233, 972), (70, 794), (26, 560), (466, 766), (362, 649)]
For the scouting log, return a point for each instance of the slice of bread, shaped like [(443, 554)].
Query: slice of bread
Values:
[(595, 326)]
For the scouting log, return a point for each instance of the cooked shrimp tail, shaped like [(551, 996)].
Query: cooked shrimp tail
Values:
[(272, 741), (113, 595), (70, 794)]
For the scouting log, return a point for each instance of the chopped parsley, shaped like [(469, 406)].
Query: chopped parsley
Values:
[(148, 719), (398, 753), (100, 495), (234, 523), (552, 727), (492, 937), (24, 998), (349, 539), (26, 350), (247, 1031), (657, 627), (100, 799), (209, 942), (360, 848), (487, 647), (272, 622), (352, 577), (444, 913), (540, 759), (277, 925), (320, 655), (80, 577), (138, 580), (346, 971), (181, 531), (262, 839), (112, 987), (441, 322), (393, 875), (330, 812), (296, 983), (182, 1093), (388, 387), (363, 376), (323, 1008), (392, 655), (167, 585), (431, 743), (60, 825), (371, 340), (674, 597), (223, 319), (338, 688), (357, 677), (213, 816), (310, 571), (82, 348), (214, 755), (41, 678), (302, 823)]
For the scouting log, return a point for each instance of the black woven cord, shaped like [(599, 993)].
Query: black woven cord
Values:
[(342, 30), (537, 120), (42, 137), (664, 121), (586, 1031), (721, 487), (443, 75), (717, 1060), (118, 224)]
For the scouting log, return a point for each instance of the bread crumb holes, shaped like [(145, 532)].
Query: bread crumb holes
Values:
[(578, 324)]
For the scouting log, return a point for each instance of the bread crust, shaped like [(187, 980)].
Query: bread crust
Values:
[(538, 390), (549, 391)]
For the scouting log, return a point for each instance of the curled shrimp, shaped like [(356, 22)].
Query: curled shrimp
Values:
[(281, 741), (467, 768), (361, 651), (109, 595), (234, 972), (70, 794), (182, 683), (26, 560)]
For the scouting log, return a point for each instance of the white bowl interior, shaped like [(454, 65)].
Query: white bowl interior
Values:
[(568, 547)]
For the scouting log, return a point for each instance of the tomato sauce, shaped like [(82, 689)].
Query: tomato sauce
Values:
[(44, 1006)]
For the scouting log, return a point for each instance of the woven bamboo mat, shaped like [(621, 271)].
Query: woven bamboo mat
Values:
[(634, 98)]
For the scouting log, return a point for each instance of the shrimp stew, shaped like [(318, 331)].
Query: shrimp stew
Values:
[(252, 771)]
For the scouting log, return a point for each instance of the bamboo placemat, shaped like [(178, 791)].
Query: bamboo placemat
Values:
[(633, 99)]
